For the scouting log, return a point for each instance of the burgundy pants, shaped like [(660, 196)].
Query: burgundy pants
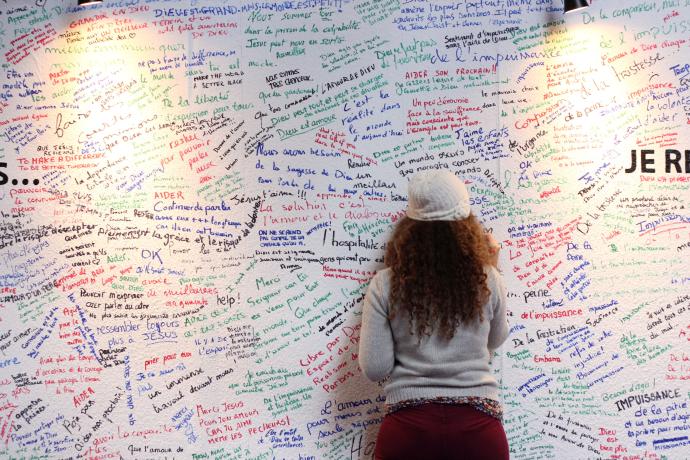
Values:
[(441, 432)]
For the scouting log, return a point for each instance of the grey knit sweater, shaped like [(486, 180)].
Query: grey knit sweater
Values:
[(435, 367)]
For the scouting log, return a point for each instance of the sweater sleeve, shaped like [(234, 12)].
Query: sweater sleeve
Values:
[(376, 346), (499, 323)]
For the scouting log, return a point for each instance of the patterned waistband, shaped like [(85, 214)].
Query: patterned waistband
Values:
[(488, 406)]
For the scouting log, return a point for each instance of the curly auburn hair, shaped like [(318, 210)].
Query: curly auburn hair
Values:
[(438, 274)]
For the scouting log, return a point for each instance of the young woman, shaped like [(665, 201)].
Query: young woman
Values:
[(431, 320)]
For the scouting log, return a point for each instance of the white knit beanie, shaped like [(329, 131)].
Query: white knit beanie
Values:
[(437, 195)]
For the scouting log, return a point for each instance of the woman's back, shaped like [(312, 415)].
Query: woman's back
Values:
[(431, 366)]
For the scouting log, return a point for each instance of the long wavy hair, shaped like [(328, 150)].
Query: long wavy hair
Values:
[(438, 274)]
